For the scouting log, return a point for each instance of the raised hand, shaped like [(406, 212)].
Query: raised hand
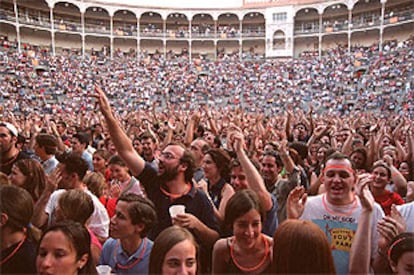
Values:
[(102, 101), (296, 202), (362, 191)]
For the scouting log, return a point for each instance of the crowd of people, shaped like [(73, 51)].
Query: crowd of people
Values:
[(152, 164)]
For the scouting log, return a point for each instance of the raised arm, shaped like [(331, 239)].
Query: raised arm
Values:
[(360, 255), (253, 176), (121, 141)]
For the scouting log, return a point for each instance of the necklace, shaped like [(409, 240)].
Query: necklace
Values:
[(10, 160), (355, 204), (175, 196), (127, 267), (249, 269), (13, 252)]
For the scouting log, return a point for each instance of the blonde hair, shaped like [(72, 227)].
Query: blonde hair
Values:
[(95, 183)]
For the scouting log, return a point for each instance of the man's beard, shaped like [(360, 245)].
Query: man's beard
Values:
[(5, 150), (169, 174)]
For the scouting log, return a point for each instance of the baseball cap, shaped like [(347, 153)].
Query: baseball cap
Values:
[(10, 127)]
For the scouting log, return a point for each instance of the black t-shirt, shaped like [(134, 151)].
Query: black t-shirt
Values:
[(22, 262)]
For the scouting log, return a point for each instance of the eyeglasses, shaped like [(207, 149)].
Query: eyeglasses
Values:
[(168, 155)]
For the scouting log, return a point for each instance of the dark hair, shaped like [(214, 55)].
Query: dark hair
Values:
[(236, 163), (166, 240), (275, 155), (48, 142), (141, 211), (400, 244), (362, 151), (222, 160), (385, 166), (147, 135), (76, 205), (239, 204), (300, 147), (74, 164), (17, 204), (82, 137), (35, 177), (61, 122), (301, 247), (103, 153), (117, 160), (79, 237)]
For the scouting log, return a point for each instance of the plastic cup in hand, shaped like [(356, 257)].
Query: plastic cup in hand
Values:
[(104, 269), (176, 209)]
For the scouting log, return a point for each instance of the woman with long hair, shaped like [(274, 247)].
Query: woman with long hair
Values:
[(29, 174), (175, 251), (248, 250), (65, 248), (18, 237), (301, 247), (216, 166)]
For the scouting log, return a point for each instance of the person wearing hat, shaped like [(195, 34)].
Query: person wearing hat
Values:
[(45, 148), (9, 153)]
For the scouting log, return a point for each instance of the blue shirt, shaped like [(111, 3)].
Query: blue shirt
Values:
[(114, 256), (271, 222)]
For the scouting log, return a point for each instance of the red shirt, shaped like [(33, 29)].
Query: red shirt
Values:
[(388, 199), (110, 204)]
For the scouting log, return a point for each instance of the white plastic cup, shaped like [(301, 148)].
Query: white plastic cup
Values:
[(176, 209), (104, 269)]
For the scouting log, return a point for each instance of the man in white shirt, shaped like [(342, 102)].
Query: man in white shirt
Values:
[(69, 175)]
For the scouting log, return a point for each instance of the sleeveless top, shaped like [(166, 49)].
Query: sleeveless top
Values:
[(232, 267)]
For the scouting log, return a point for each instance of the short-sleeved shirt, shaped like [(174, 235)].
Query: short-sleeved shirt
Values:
[(22, 262), (114, 256), (340, 224), (195, 201), (388, 199), (50, 165), (99, 221), (407, 211), (271, 222)]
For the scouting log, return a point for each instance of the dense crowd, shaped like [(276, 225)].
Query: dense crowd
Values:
[(154, 164)]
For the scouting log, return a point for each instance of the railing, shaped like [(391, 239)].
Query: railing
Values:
[(312, 27)]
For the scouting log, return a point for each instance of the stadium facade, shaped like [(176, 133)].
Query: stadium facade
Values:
[(249, 28)]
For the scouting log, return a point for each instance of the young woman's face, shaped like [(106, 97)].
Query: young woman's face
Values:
[(180, 259), (98, 162), (405, 264), (58, 256), (119, 172), (16, 176), (247, 229), (380, 177), (209, 167)]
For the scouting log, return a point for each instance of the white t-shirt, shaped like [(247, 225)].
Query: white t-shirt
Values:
[(340, 224), (407, 211), (98, 222)]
